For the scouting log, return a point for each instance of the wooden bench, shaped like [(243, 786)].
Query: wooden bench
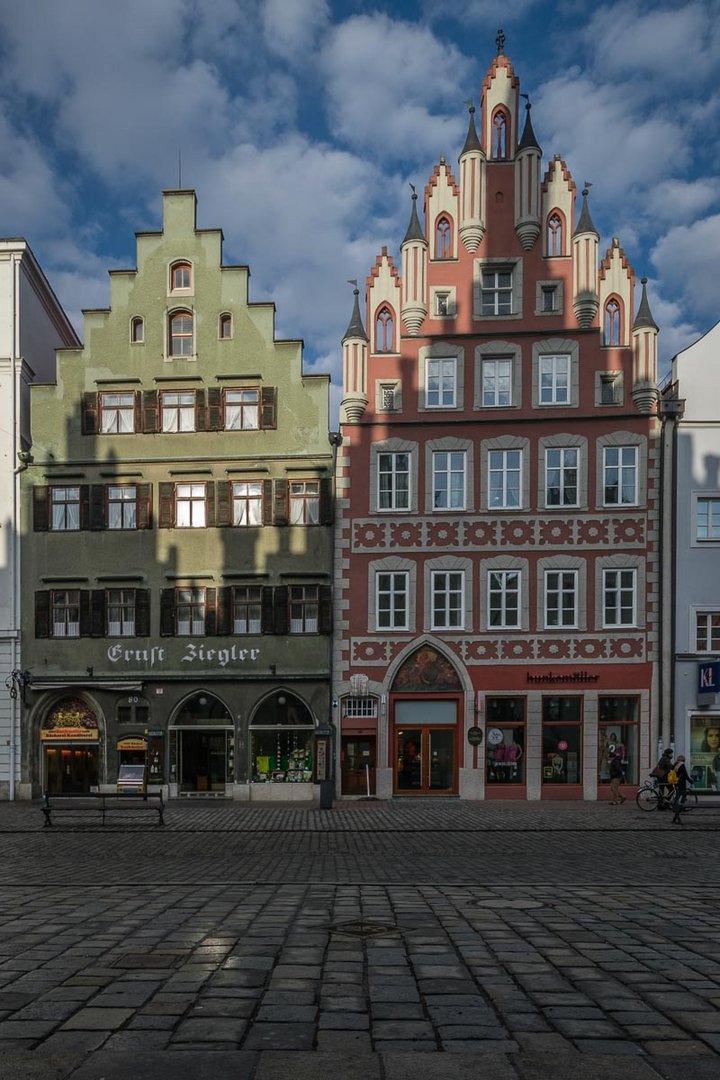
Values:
[(101, 804)]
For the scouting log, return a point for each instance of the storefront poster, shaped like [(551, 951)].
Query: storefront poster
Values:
[(705, 752)]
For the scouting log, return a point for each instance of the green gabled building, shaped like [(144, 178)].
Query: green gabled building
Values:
[(177, 539)]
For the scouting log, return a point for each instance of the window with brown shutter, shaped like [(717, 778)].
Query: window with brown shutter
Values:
[(280, 502), (167, 613), (282, 620), (267, 507), (224, 609), (211, 612), (90, 413), (210, 504), (268, 407), (97, 506), (41, 509), (150, 411), (85, 613), (325, 620), (222, 502), (97, 613), (268, 610), (326, 501), (142, 612), (144, 506), (200, 411), (215, 420), (167, 505), (42, 614)]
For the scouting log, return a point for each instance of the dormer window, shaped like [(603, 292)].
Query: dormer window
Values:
[(137, 330), (180, 277), (225, 327)]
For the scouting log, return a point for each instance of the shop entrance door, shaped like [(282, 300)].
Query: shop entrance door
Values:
[(425, 760), (358, 764), (202, 760), (70, 770)]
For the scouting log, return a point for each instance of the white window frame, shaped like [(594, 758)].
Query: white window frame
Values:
[(566, 469), (615, 580), (559, 584), (396, 585), (65, 508), (713, 504), (499, 464), (191, 506), (122, 506), (447, 376), (496, 296), (447, 599), (117, 413), (710, 632), (490, 373), (194, 598), (304, 498), (620, 465), (449, 464), (177, 411), (506, 585), (399, 498), (121, 602), (247, 497), (242, 410), (304, 603), (557, 368), (66, 627), (246, 599)]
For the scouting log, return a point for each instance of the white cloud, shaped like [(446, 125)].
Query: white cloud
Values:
[(677, 44), (31, 199), (393, 87), (293, 27), (682, 200), (687, 259), (595, 129), (478, 11)]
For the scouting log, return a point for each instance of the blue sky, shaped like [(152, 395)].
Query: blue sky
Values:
[(301, 123)]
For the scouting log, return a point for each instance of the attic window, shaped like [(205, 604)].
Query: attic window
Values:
[(137, 330), (180, 277), (225, 328), (499, 135), (384, 330), (443, 238)]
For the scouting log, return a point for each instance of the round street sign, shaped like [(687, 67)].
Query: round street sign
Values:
[(475, 736)]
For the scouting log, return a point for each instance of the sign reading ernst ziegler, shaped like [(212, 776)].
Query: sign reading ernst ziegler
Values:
[(156, 655)]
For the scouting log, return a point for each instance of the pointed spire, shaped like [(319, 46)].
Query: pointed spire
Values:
[(355, 328), (471, 142), (528, 141), (414, 231), (585, 224), (644, 315)]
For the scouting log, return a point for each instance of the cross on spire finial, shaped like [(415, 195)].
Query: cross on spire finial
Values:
[(500, 41)]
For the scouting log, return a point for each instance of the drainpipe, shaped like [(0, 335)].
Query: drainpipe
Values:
[(671, 410)]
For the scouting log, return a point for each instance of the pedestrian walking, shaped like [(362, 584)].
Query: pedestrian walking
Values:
[(617, 777), (660, 772), (681, 789)]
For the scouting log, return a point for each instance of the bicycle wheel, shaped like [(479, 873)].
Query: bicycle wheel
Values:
[(647, 798), (691, 801)]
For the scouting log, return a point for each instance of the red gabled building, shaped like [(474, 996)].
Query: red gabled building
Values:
[(497, 516)]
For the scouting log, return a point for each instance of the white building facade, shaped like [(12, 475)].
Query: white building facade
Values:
[(32, 326), (691, 407)]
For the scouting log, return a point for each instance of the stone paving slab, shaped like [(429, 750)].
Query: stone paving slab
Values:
[(497, 948)]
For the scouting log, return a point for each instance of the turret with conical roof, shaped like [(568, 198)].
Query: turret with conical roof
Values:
[(645, 392), (473, 173), (586, 300), (527, 185), (414, 273), (355, 353)]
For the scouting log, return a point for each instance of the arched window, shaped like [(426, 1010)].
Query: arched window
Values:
[(555, 245), (384, 330), (225, 326), (499, 135), (137, 330), (180, 276), (443, 238), (180, 336), (612, 322)]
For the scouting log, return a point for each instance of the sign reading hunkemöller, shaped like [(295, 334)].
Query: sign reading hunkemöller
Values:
[(194, 654)]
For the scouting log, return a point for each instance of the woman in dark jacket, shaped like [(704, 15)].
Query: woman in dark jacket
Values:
[(681, 789)]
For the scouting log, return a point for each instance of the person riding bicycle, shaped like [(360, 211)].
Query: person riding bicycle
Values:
[(681, 787), (660, 772)]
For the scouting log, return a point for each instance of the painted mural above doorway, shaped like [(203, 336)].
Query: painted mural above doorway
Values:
[(426, 669)]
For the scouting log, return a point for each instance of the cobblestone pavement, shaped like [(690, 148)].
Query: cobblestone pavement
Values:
[(379, 941)]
